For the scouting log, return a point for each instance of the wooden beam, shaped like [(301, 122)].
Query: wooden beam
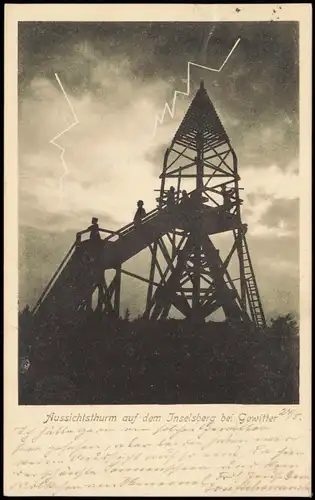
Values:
[(128, 273)]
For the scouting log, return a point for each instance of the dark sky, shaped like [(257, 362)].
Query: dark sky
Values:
[(118, 77)]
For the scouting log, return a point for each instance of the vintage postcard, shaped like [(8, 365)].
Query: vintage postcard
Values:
[(157, 250)]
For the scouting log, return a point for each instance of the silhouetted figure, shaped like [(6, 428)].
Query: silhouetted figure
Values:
[(26, 311), (229, 200), (171, 196), (196, 197), (185, 201), (226, 194), (140, 213), (185, 198), (186, 204), (94, 230)]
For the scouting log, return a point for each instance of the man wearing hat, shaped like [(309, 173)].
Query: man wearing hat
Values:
[(140, 213), (94, 230)]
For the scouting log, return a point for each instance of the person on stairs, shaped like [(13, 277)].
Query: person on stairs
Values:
[(94, 230), (170, 196), (140, 213)]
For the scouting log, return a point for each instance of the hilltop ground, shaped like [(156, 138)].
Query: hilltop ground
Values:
[(103, 361)]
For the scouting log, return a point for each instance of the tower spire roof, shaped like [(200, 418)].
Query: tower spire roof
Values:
[(201, 117)]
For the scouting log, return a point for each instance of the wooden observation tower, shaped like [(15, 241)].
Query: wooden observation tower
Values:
[(197, 281), (196, 231)]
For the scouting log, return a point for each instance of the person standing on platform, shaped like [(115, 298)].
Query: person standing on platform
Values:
[(185, 198), (94, 230), (226, 195), (171, 196)]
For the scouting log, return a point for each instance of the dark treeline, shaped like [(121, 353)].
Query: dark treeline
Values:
[(103, 360)]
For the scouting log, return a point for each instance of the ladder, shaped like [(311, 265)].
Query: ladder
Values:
[(253, 297)]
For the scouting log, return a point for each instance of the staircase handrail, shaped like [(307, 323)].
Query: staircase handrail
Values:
[(53, 279)]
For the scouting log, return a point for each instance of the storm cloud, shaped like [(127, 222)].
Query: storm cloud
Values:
[(118, 77)]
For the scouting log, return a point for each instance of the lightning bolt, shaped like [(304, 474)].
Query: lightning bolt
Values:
[(52, 141), (160, 118)]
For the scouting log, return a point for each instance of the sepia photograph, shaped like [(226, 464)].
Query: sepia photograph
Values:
[(158, 213)]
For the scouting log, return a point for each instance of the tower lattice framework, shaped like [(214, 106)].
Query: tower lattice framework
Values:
[(197, 281)]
